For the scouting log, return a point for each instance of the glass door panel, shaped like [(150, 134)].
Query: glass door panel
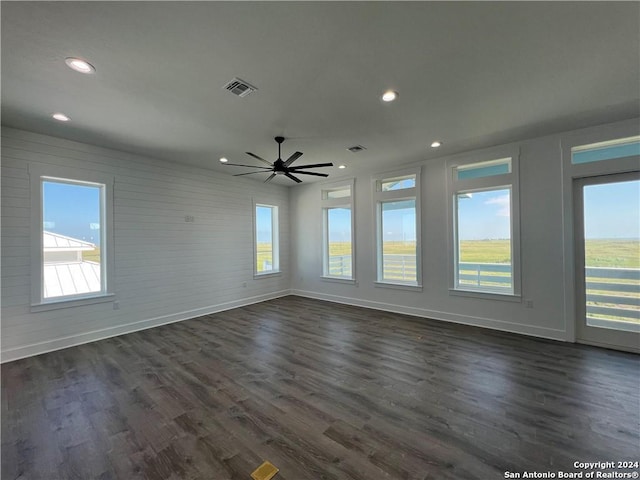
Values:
[(608, 260)]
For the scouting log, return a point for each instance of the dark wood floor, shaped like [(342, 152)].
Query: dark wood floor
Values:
[(323, 391)]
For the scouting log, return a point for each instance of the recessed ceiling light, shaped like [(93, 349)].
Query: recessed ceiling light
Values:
[(389, 96), (79, 65), (342, 166), (224, 160), (436, 144), (61, 117)]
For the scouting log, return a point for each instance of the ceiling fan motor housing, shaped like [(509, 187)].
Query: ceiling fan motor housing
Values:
[(280, 167)]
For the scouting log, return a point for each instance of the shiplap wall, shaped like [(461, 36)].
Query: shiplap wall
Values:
[(165, 268)]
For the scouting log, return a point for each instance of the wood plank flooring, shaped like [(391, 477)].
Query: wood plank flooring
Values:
[(323, 391)]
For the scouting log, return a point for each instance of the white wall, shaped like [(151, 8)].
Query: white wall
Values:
[(165, 269), (544, 276), (168, 270)]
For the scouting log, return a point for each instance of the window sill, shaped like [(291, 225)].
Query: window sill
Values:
[(399, 286), (256, 276), (72, 302), (503, 297), (349, 281)]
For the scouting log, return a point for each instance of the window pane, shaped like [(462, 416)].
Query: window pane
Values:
[(339, 193), (595, 152), (484, 240), (71, 239), (339, 255), (398, 183), (399, 241), (264, 239), (612, 255), (484, 169)]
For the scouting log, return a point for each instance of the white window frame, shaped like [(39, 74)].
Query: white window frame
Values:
[(275, 240), (380, 197), (38, 174), (494, 182), (343, 202)]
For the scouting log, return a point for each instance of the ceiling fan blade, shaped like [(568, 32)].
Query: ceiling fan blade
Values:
[(292, 158), (258, 158), (242, 165), (250, 173), (317, 165), (297, 180), (298, 172), (269, 179)]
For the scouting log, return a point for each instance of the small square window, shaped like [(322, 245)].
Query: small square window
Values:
[(398, 183), (610, 150), (483, 169), (336, 193)]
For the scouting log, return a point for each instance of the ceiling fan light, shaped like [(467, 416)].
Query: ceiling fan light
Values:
[(436, 144), (342, 167), (223, 160)]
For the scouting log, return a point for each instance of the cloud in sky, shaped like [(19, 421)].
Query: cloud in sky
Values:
[(503, 203)]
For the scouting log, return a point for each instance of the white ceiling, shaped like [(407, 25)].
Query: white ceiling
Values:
[(469, 74)]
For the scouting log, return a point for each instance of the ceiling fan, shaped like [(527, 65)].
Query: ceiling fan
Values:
[(282, 167)]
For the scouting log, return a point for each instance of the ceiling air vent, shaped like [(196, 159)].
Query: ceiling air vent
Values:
[(240, 87), (356, 149)]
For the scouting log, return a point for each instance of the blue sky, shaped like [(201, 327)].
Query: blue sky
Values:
[(484, 215), (612, 211), (263, 224), (72, 210), (339, 225)]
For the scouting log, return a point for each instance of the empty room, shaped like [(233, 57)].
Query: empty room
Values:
[(320, 240)]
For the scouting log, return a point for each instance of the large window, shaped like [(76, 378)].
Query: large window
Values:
[(398, 228), (485, 225), (266, 239), (337, 211), (72, 252)]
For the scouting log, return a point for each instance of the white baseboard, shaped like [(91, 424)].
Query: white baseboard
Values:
[(24, 351), (541, 332), (16, 353)]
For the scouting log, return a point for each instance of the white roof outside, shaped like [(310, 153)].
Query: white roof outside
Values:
[(71, 278), (54, 242)]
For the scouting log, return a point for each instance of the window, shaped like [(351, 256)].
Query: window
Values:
[(337, 244), (609, 150), (266, 239), (398, 229), (485, 225), (72, 251)]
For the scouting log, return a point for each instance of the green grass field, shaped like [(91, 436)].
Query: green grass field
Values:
[(264, 253), (599, 253), (485, 251), (612, 253), (92, 256)]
